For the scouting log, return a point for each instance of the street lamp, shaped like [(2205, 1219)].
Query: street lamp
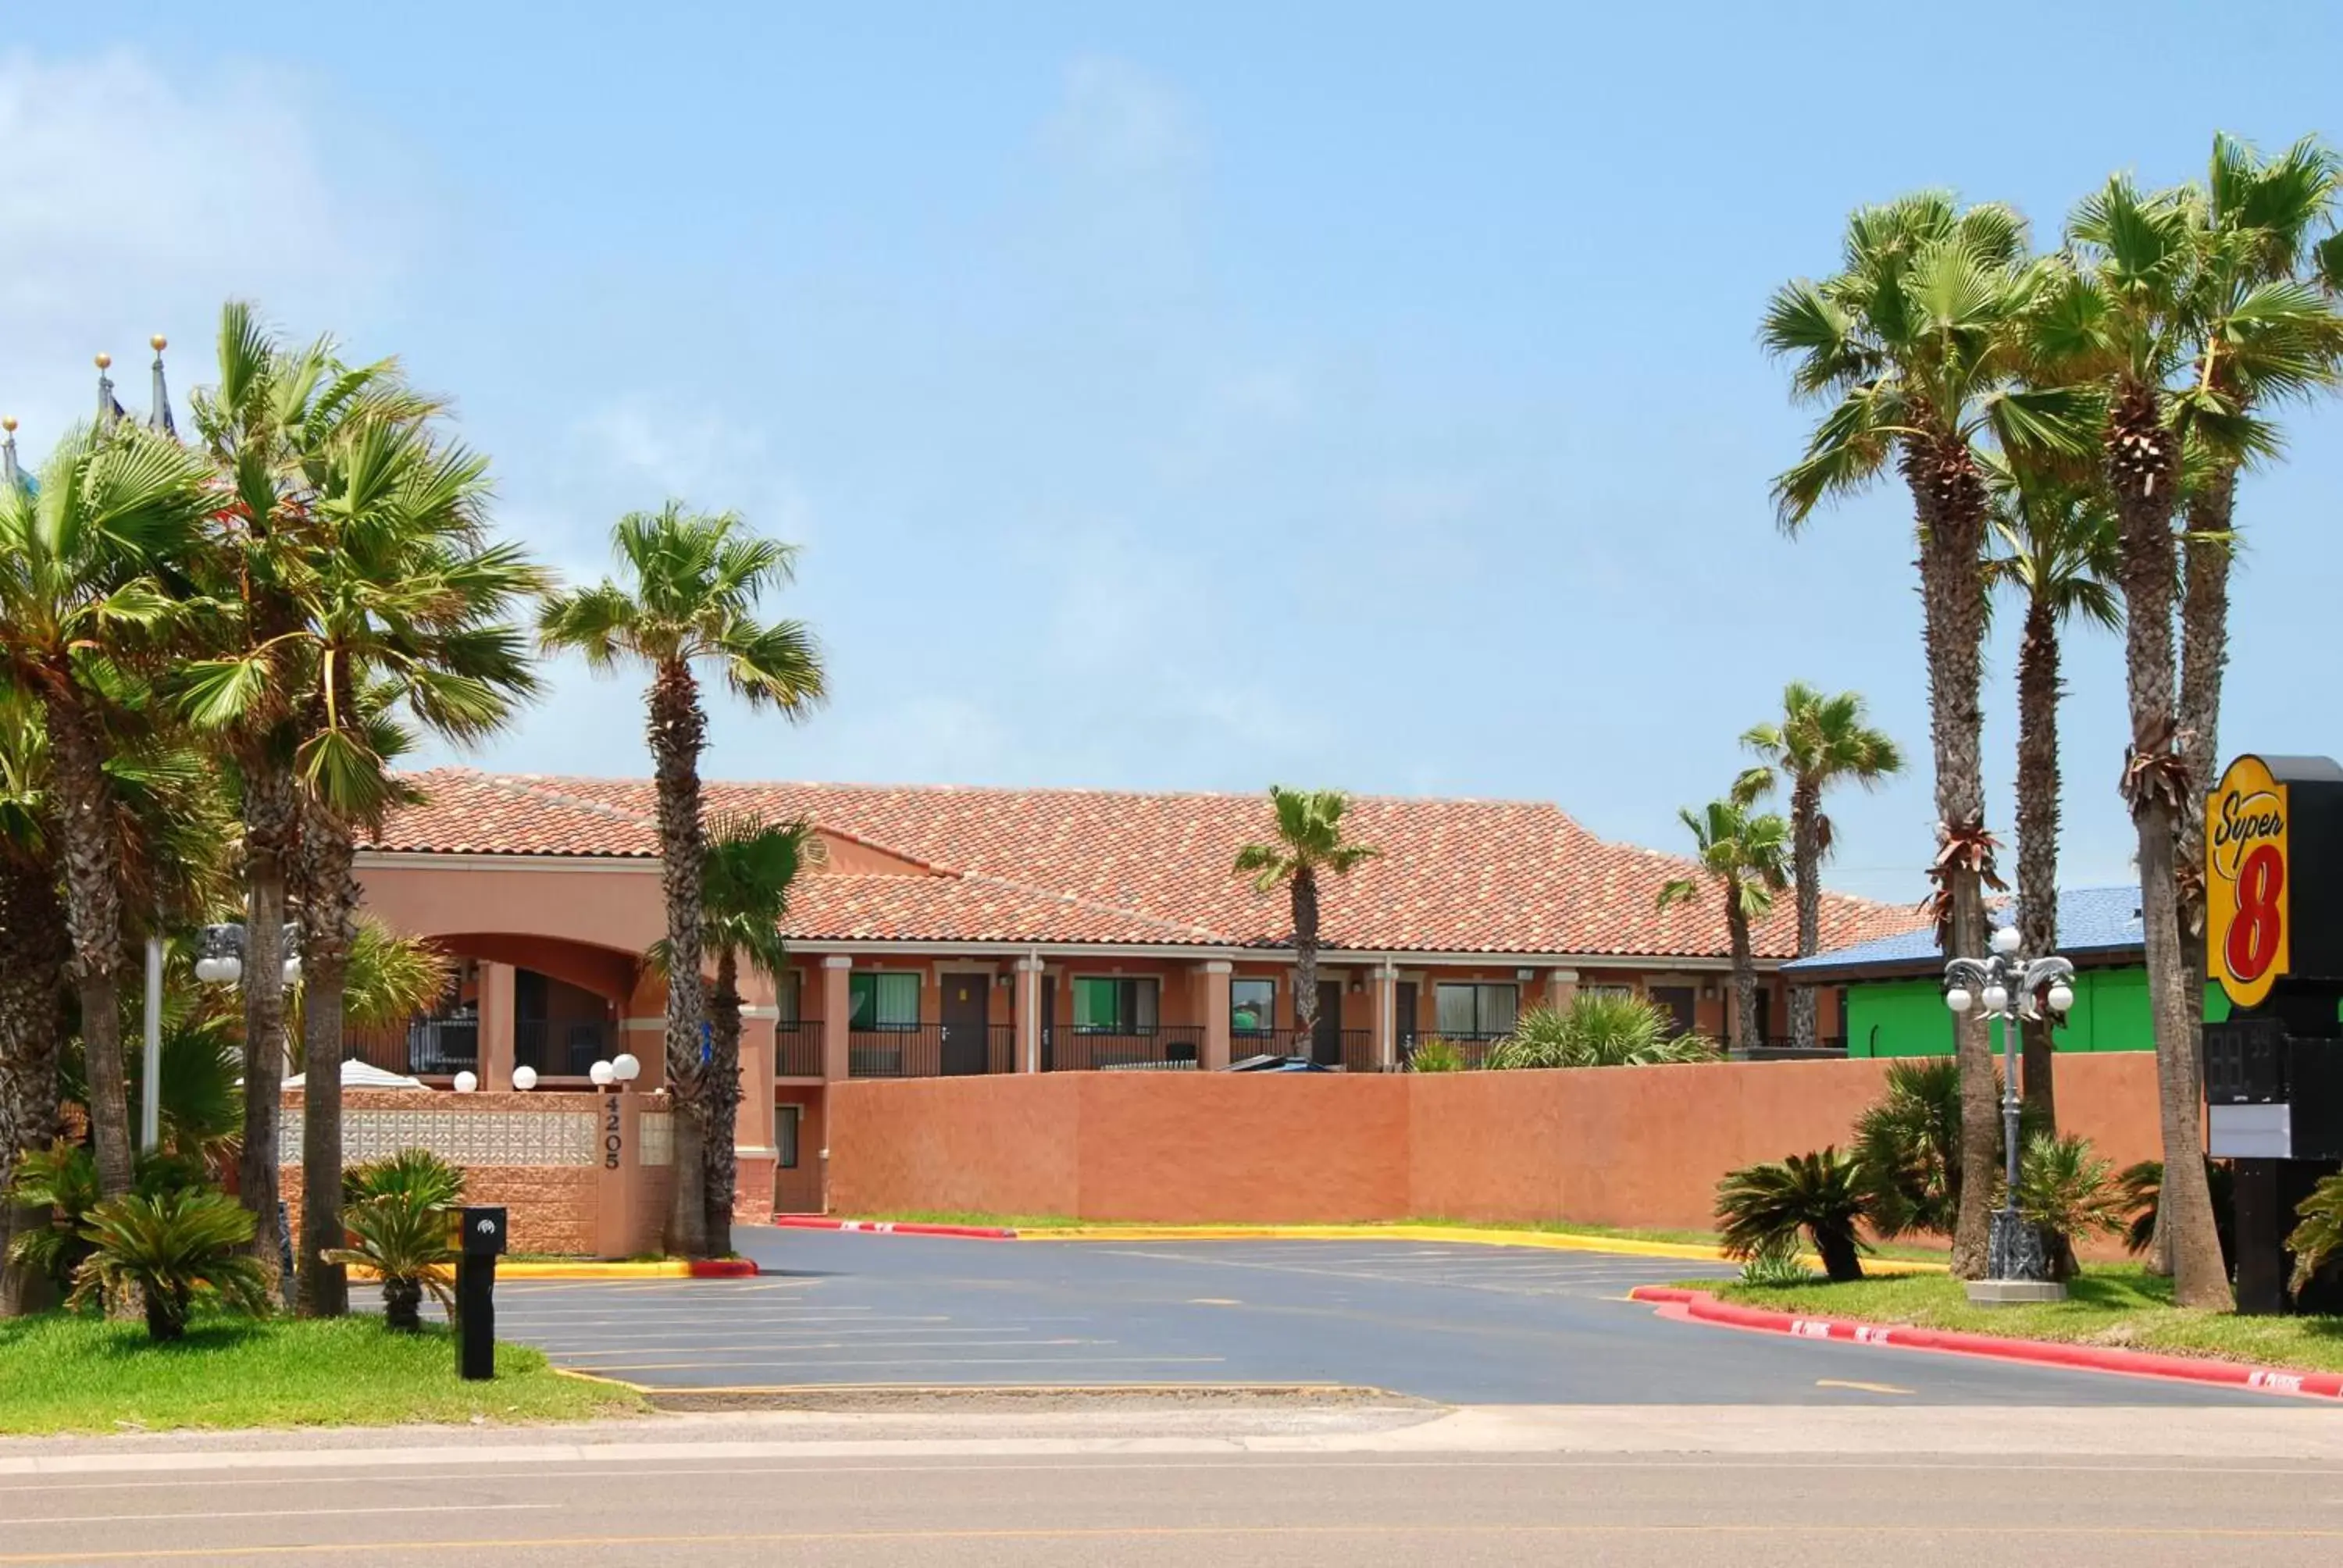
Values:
[(2004, 985), (625, 1068)]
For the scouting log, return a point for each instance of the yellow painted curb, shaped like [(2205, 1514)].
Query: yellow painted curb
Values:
[(1548, 1241), (581, 1270)]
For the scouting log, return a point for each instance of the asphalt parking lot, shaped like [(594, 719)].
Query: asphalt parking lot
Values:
[(1456, 1323)]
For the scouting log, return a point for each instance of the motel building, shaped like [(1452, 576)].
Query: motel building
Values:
[(949, 931)]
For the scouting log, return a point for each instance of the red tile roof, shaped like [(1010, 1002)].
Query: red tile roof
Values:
[(1110, 867)]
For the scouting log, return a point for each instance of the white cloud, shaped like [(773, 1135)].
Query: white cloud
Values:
[(703, 456), (133, 203)]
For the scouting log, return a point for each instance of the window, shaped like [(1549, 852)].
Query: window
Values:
[(878, 1002), (1476, 1011), (785, 1134), (1115, 1006), (788, 993), (1252, 1006)]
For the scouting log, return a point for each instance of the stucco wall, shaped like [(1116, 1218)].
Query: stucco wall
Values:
[(1613, 1146)]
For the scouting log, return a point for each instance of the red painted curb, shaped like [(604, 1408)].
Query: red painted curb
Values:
[(895, 1228), (1702, 1305), (724, 1269)]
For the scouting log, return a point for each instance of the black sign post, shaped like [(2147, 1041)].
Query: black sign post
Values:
[(478, 1241)]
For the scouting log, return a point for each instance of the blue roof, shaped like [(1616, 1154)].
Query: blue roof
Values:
[(2098, 923)]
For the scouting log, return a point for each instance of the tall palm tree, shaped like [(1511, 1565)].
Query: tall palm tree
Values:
[(1746, 855), (1918, 343), (85, 590), (746, 876), (2057, 555), (694, 583), (1309, 840), (1817, 742), (33, 955)]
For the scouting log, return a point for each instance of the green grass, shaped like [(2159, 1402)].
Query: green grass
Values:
[(69, 1374), (2119, 1305)]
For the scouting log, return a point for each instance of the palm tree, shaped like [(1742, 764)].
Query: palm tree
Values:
[(2057, 553), (1919, 341), (745, 881), (33, 954), (696, 580), (81, 598), (1817, 742), (1747, 856), (1309, 842)]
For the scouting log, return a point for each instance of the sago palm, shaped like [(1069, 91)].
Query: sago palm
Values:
[(1820, 1194), (402, 1237), (1746, 854), (692, 595), (88, 564), (171, 1248), (2056, 554), (1820, 740), (744, 889), (1308, 842), (1918, 343)]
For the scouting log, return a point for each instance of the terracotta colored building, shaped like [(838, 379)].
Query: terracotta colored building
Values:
[(953, 931)]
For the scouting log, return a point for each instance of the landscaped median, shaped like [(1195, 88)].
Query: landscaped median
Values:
[(2118, 1320)]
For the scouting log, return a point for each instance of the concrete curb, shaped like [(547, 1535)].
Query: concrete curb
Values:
[(895, 1228), (1705, 1308), (665, 1269), (1548, 1240)]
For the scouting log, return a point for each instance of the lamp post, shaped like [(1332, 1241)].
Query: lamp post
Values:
[(2005, 985)]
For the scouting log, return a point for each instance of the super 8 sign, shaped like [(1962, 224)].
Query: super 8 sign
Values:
[(2274, 875)]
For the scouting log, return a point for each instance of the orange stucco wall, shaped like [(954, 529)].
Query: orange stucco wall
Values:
[(1613, 1146)]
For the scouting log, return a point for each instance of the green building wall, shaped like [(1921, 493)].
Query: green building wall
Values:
[(1909, 1017)]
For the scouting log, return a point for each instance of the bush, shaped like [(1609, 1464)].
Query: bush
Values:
[(171, 1247), (1909, 1143), (2070, 1194), (1778, 1260), (1598, 1029), (2317, 1237), (1433, 1054), (2143, 1190), (403, 1239), (416, 1173), (62, 1179), (1820, 1194)]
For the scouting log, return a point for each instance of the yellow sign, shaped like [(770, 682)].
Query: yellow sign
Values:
[(2247, 919)]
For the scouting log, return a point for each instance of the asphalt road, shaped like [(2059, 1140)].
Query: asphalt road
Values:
[(1254, 1511), (1456, 1324)]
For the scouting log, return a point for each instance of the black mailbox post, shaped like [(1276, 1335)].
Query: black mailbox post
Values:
[(478, 1241)]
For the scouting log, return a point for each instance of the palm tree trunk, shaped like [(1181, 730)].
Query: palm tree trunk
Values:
[(678, 733), (272, 835), (2038, 834), (723, 1098), (2143, 465), (329, 897), (94, 914), (1949, 502), (1807, 864), (33, 955), (2203, 660), (1746, 1022), (1305, 961)]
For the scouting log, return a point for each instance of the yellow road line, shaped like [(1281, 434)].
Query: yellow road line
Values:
[(1859, 1387)]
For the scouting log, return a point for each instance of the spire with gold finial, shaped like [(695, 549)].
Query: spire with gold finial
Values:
[(8, 474), (160, 417), (109, 408)]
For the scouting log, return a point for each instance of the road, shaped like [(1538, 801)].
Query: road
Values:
[(1456, 1324), (941, 1510)]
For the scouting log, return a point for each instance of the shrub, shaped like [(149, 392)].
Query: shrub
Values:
[(2317, 1237), (415, 1173), (2067, 1191), (1909, 1143), (1820, 1194), (2142, 1186), (1777, 1260), (1433, 1054), (403, 1238), (62, 1179), (171, 1247), (1598, 1029)]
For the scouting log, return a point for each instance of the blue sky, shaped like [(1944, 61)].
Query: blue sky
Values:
[(1168, 397)]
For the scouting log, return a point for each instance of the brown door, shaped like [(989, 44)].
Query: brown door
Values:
[(966, 1012), (1676, 1000), (1402, 1019), (1048, 1022), (1326, 1041)]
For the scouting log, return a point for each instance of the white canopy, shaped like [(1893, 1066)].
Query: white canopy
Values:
[(362, 1075)]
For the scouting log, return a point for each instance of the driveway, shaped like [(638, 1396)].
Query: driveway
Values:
[(1456, 1324)]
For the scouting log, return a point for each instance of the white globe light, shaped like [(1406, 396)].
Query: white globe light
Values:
[(2004, 940), (293, 971), (524, 1078), (231, 969), (2062, 996), (625, 1068), (1959, 1000), (1996, 999), (603, 1073), (467, 1082), (207, 970)]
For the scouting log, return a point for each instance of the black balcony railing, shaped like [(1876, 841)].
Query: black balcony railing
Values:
[(797, 1048), (931, 1050), (421, 1048), (1472, 1045), (562, 1048), (1352, 1049), (1162, 1048)]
